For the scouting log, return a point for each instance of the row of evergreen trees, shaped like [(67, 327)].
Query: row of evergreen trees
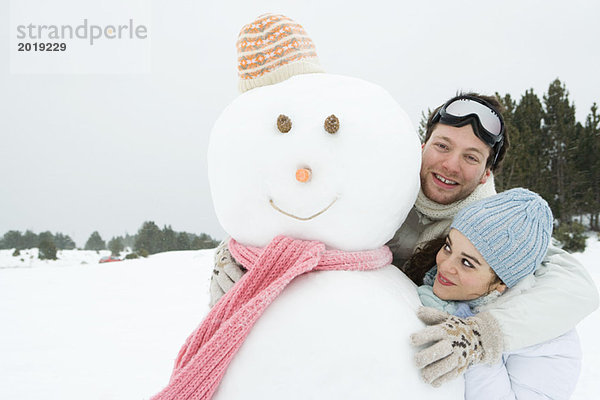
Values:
[(150, 239), (19, 241), (553, 154)]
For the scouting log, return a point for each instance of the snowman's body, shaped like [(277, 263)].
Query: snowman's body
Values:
[(330, 334), (335, 335)]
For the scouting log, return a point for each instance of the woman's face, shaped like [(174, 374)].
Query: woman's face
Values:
[(462, 273)]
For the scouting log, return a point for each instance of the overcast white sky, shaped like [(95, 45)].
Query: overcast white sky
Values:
[(85, 152)]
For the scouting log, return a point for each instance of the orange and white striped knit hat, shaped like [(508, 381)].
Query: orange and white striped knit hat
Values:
[(273, 48)]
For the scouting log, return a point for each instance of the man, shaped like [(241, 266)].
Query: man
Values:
[(465, 144), (456, 169)]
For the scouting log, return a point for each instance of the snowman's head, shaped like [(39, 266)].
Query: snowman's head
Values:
[(348, 180)]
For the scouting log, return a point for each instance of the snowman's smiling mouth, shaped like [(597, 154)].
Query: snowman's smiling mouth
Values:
[(301, 218)]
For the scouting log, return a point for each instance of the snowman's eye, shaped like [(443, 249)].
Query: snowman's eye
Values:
[(284, 123), (332, 124)]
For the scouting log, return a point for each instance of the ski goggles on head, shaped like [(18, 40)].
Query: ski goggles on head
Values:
[(486, 121)]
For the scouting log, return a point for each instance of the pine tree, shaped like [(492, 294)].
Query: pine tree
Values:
[(149, 238), (588, 163), (47, 248), (505, 177), (115, 245), (129, 240), (528, 147), (47, 235), (203, 241), (580, 185), (559, 128), (13, 239), (183, 241), (168, 239), (63, 242), (30, 240), (95, 242), (196, 243), (571, 235)]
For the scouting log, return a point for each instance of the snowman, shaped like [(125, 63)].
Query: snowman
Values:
[(311, 174)]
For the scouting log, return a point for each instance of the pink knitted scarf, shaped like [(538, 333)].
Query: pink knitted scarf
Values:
[(203, 359)]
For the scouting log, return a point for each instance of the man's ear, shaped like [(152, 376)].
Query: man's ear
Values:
[(485, 176)]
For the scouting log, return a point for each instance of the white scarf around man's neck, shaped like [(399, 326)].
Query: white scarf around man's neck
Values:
[(440, 215)]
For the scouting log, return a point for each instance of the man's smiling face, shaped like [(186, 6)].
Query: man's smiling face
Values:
[(453, 164)]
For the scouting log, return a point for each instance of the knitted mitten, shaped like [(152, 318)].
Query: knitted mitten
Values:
[(457, 343), (226, 273)]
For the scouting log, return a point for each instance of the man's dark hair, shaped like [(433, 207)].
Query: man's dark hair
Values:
[(493, 100)]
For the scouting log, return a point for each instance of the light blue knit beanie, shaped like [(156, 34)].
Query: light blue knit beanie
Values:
[(511, 230)]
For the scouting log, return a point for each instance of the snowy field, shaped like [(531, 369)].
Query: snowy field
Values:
[(74, 329)]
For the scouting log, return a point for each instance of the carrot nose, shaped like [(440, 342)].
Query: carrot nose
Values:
[(303, 174)]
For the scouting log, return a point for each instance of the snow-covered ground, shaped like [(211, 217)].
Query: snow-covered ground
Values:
[(76, 329)]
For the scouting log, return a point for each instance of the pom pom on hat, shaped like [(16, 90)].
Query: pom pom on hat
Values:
[(273, 48), (511, 230)]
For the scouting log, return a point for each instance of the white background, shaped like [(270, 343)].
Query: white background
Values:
[(71, 141)]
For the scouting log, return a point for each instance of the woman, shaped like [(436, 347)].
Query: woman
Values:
[(493, 245)]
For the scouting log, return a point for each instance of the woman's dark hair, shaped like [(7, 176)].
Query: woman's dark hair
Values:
[(423, 259)]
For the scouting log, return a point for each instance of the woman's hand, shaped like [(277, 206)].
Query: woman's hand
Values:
[(456, 343)]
